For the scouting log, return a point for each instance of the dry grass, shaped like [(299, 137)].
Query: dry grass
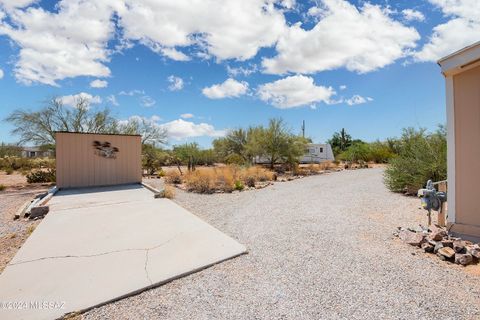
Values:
[(169, 192), (226, 179), (173, 177)]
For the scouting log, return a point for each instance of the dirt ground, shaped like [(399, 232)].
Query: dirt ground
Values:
[(13, 233)]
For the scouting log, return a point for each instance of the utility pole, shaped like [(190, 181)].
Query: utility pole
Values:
[(303, 129)]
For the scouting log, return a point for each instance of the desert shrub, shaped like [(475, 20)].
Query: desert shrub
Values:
[(9, 171), (421, 157), (258, 174), (160, 173), (380, 152), (359, 151), (2, 187), (173, 177), (23, 164), (41, 176), (226, 179), (234, 159), (169, 192), (239, 185), (201, 181), (250, 181)]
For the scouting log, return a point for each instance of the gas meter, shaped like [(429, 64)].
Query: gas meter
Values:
[(431, 199)]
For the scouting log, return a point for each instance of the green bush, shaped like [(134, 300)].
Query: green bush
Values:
[(359, 151), (9, 171), (239, 185), (41, 176), (421, 157)]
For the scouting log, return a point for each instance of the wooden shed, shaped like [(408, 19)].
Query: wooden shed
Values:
[(86, 160), (462, 73)]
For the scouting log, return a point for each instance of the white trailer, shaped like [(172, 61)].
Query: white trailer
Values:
[(317, 153)]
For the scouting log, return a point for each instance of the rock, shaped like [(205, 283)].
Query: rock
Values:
[(437, 247), (437, 234), (412, 238), (463, 259), (447, 243), (459, 246), (474, 251), (37, 212), (447, 252), (427, 247)]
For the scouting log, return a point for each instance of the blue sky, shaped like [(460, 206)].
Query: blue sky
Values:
[(199, 68)]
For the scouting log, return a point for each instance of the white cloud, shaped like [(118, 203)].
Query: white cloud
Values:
[(359, 39), (228, 89), (57, 45), (356, 99), (223, 29), (131, 92), (241, 71), (294, 91), (176, 83), (72, 40), (1, 74), (461, 30), (181, 129), (72, 100), (186, 116), (413, 15), (147, 101), (13, 4), (343, 87), (99, 83), (113, 100)]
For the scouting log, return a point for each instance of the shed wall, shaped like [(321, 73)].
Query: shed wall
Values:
[(467, 150), (80, 164)]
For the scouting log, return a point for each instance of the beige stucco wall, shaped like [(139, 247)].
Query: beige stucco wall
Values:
[(79, 163), (467, 151)]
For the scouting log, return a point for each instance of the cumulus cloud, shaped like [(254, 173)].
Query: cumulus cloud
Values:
[(186, 116), (413, 15), (461, 30), (359, 39), (357, 99), (176, 83), (181, 129), (222, 32), (72, 40), (57, 45), (14, 4), (294, 91), (99, 83), (72, 100), (228, 89)]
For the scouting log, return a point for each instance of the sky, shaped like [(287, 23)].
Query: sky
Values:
[(198, 68)]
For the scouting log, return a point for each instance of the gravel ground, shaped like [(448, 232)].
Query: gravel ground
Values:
[(13, 233), (319, 248)]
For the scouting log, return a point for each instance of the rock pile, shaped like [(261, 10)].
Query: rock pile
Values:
[(436, 240)]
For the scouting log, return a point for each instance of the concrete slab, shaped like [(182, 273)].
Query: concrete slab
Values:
[(98, 245)]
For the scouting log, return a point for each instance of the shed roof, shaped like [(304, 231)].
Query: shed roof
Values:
[(461, 60)]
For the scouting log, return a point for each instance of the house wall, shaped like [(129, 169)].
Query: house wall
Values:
[(80, 164), (466, 86)]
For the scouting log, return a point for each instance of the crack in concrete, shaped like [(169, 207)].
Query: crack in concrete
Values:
[(102, 254)]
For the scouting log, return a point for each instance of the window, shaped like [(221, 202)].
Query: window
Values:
[(321, 150)]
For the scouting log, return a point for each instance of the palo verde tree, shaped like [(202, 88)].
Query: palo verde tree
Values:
[(278, 144), (39, 127)]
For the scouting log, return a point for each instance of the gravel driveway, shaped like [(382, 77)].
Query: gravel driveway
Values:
[(319, 248)]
